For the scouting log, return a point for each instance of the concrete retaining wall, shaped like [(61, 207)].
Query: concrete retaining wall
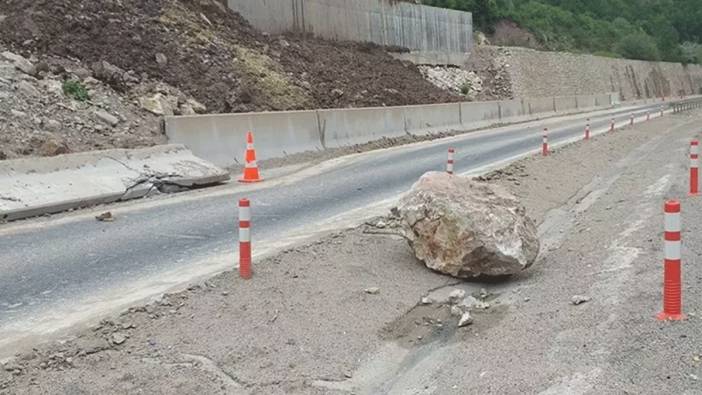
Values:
[(567, 74), (221, 138), (37, 186), (428, 31)]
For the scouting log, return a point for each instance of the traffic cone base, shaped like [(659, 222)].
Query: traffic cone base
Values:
[(670, 317), (251, 173)]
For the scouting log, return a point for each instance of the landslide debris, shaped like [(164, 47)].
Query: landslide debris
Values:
[(212, 54)]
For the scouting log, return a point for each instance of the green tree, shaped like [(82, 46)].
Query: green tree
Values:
[(648, 29), (638, 46)]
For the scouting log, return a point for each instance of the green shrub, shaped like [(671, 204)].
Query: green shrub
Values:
[(466, 87), (638, 46), (75, 90)]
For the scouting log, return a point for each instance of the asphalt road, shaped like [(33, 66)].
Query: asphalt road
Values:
[(58, 266)]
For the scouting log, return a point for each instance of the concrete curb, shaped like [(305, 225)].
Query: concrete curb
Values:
[(37, 186)]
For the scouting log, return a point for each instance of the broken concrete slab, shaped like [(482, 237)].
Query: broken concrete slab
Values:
[(37, 186)]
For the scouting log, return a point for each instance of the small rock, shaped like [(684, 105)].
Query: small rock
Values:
[(479, 304), (18, 114), (380, 225), (456, 296), (20, 62), (347, 375), (107, 118), (91, 81), (157, 104), (118, 338), (53, 147), (82, 73), (11, 366), (108, 73), (197, 106), (28, 89), (465, 320), (105, 217), (336, 92), (579, 299), (52, 86), (456, 311), (53, 125), (372, 290), (427, 300), (28, 356), (161, 59)]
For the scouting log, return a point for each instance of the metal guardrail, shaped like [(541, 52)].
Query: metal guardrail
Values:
[(686, 105)]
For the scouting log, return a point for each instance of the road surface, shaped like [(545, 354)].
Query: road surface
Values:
[(59, 272)]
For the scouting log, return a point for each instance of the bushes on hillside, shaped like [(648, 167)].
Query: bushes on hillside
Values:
[(638, 46), (640, 29)]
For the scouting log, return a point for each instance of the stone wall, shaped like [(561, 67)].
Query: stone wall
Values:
[(537, 73), (428, 32)]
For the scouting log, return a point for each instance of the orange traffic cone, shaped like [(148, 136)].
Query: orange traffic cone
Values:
[(251, 168)]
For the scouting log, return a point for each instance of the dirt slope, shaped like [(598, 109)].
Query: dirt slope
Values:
[(211, 53)]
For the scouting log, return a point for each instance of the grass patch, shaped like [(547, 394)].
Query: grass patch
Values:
[(75, 90)]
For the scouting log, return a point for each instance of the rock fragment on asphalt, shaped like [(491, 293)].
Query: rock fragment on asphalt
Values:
[(118, 338), (372, 290), (105, 217), (579, 299), (466, 319)]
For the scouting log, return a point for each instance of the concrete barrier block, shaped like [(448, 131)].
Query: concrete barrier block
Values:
[(432, 118), (566, 103), (344, 127), (512, 110), (479, 114), (540, 105), (221, 138), (586, 102)]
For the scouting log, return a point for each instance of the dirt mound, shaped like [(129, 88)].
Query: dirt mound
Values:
[(212, 54)]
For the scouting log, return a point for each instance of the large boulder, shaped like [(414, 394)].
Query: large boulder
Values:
[(467, 228)]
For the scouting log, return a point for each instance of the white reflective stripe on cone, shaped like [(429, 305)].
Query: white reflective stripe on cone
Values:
[(672, 222), (244, 213), (244, 235), (672, 250)]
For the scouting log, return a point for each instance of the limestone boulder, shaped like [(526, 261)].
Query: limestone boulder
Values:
[(466, 228)]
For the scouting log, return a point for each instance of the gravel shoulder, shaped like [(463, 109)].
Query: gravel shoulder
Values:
[(311, 322)]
